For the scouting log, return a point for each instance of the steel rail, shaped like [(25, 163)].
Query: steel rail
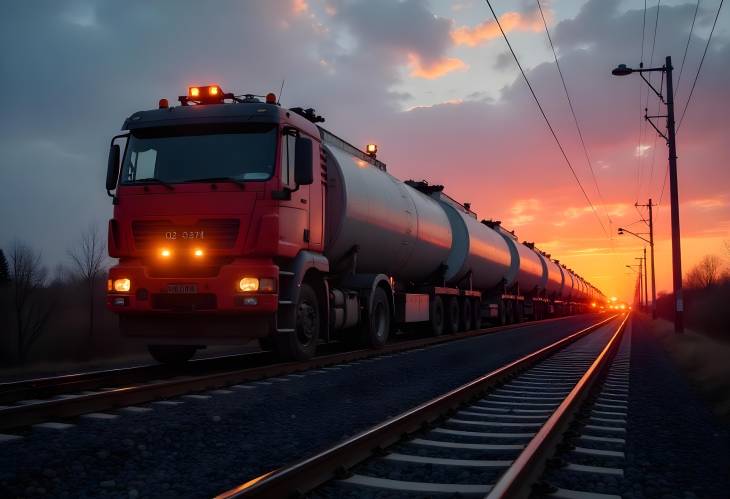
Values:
[(311, 472), (519, 478), (48, 386), (29, 414)]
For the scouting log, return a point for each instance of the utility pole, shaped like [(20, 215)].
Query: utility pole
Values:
[(623, 70), (646, 284), (650, 205), (638, 280), (674, 196), (641, 280)]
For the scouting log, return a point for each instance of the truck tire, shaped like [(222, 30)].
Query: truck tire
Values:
[(301, 344), (172, 354), (376, 326), (437, 316), (466, 314), (452, 315)]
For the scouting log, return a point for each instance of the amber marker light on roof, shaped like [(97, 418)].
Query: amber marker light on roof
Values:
[(194, 92)]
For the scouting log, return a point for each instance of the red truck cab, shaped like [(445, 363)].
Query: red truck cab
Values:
[(210, 198)]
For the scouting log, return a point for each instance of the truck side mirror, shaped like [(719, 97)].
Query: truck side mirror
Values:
[(112, 167), (303, 170)]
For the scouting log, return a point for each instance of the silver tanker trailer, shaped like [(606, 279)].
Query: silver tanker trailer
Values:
[(442, 265)]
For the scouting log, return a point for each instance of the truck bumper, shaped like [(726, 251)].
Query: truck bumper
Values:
[(194, 310)]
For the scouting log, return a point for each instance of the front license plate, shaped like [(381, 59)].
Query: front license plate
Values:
[(182, 289)]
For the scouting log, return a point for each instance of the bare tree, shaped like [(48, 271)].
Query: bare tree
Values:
[(706, 273), (28, 277), (88, 261), (4, 269)]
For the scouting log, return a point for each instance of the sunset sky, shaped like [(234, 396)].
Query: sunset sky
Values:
[(431, 82)]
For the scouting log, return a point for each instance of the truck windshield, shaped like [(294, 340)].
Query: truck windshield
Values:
[(189, 154)]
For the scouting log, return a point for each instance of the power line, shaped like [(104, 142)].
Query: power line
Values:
[(686, 47), (547, 121), (643, 34), (699, 68), (664, 184), (651, 62), (572, 111)]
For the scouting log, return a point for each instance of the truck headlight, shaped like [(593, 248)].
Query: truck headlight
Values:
[(249, 284), (122, 285)]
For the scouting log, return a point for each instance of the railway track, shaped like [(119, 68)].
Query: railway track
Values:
[(514, 432), (28, 402)]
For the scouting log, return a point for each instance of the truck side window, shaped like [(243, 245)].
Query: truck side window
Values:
[(287, 160), (143, 164)]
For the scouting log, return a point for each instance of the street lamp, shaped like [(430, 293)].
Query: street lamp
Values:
[(623, 70), (650, 241), (638, 272)]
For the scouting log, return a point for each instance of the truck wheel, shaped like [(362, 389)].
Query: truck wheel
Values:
[(437, 316), (452, 314), (477, 311), (172, 354), (301, 343), (466, 315), (377, 324)]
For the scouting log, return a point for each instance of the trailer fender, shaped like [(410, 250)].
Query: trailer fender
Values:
[(366, 284)]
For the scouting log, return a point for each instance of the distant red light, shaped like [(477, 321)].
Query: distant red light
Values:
[(164, 104), (270, 98)]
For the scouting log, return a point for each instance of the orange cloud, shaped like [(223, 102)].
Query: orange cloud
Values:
[(300, 6), (435, 69), (489, 30), (523, 212), (708, 203)]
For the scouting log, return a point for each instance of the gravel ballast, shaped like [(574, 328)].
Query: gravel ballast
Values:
[(205, 446)]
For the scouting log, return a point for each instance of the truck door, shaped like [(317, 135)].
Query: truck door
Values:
[(293, 213)]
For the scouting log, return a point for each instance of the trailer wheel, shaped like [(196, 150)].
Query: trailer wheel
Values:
[(301, 343), (466, 315), (452, 315), (503, 313), (376, 327), (172, 354), (437, 316), (477, 311)]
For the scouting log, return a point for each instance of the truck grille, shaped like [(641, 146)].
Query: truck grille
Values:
[(184, 303), (216, 233)]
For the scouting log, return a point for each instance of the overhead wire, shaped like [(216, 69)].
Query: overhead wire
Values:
[(547, 121), (572, 111), (648, 91), (699, 68), (642, 124), (689, 98), (686, 47)]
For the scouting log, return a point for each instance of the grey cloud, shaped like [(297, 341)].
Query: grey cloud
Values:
[(77, 70), (504, 61), (399, 26)]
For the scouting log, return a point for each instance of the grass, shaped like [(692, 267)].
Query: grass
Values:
[(705, 360)]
